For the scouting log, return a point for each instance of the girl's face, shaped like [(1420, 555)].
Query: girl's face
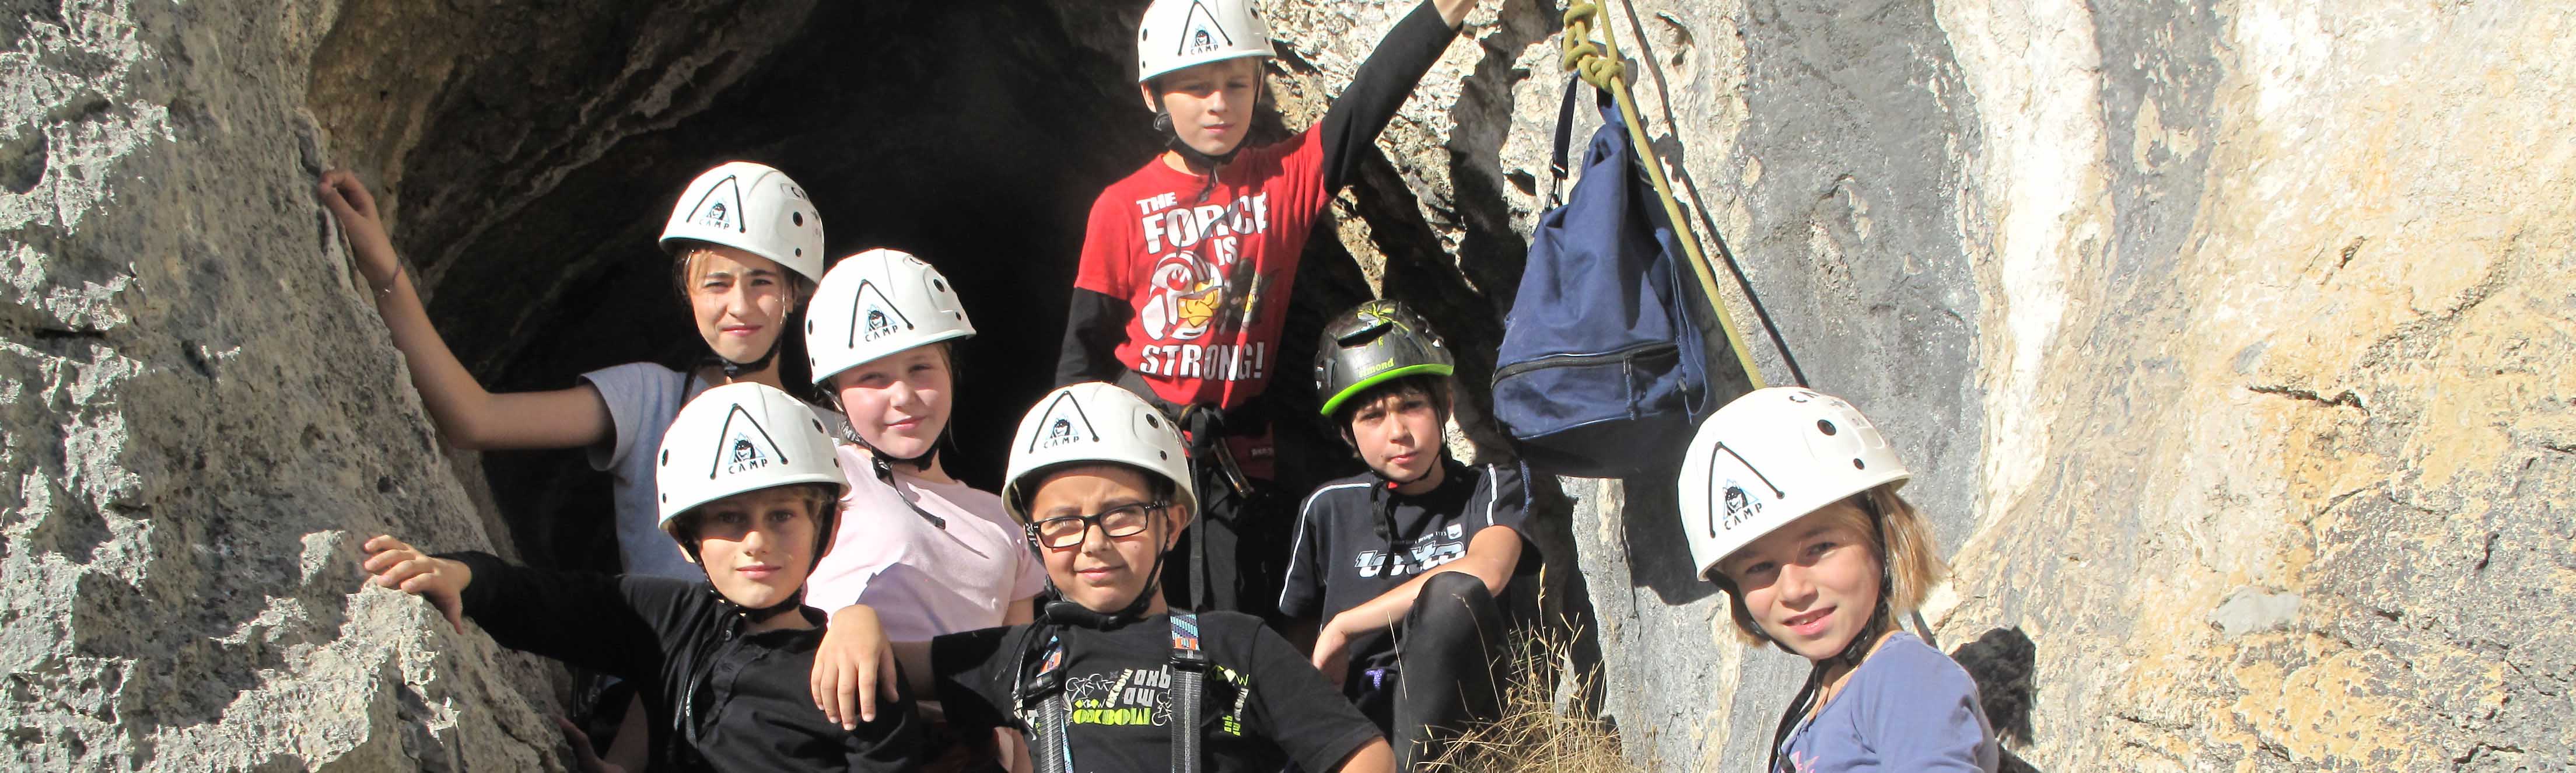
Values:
[(1103, 572), (739, 300), (758, 546), (899, 403), (1211, 104), (1812, 584)]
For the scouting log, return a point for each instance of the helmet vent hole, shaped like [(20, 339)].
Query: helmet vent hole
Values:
[(1166, 455), (1858, 465), (666, 457), (818, 427), (1824, 426), (1155, 423), (800, 252), (938, 285), (666, 499), (797, 218)]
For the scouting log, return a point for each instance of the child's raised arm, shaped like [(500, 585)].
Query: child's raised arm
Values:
[(466, 414)]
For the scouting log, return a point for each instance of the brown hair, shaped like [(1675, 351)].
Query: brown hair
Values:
[(821, 503), (1909, 559), (1430, 386)]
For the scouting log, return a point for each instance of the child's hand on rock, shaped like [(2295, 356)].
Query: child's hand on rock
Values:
[(399, 566), (355, 208)]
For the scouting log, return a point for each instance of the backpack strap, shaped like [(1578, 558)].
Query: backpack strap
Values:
[(1564, 142), (1050, 751), (1189, 670)]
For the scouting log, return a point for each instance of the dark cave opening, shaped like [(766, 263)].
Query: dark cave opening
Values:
[(973, 135)]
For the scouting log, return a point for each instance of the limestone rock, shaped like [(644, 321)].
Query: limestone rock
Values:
[(2228, 340)]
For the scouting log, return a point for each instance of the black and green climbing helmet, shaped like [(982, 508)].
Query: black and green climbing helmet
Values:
[(1374, 343)]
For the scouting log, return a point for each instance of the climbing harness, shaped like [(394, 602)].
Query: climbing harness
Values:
[(1040, 702)]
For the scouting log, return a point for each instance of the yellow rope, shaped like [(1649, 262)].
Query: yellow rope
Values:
[(1598, 63)]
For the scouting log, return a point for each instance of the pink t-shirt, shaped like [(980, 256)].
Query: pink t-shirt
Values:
[(923, 580)]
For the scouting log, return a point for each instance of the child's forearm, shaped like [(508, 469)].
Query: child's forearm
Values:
[(1094, 323), (1382, 84), (1491, 555)]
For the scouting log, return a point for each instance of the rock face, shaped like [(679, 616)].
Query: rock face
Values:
[(2227, 340)]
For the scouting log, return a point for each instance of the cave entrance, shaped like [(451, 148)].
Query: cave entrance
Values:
[(972, 134)]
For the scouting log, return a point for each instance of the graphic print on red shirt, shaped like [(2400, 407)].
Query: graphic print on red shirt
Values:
[(1208, 281)]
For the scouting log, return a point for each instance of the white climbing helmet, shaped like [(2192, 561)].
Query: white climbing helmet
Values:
[(1771, 457), (740, 437), (1095, 422), (754, 208), (878, 303), (1186, 33)]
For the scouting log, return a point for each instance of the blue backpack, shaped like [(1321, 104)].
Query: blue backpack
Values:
[(1601, 372)]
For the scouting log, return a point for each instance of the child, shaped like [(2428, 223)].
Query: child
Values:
[(930, 554), (1187, 263), (1402, 564), (746, 247), (1788, 500), (1104, 678), (747, 488)]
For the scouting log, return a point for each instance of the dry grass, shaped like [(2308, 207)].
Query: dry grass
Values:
[(1536, 733)]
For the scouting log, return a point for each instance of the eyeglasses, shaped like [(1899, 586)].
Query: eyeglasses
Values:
[(1069, 531)]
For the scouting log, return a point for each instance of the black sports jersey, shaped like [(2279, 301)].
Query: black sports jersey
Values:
[(1340, 561)]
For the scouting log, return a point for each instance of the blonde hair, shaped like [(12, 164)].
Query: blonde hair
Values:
[(1909, 559)]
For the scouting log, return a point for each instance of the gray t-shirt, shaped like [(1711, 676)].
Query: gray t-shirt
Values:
[(1908, 707), (642, 399)]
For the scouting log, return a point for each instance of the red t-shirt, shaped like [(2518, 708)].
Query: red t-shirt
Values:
[(1188, 270)]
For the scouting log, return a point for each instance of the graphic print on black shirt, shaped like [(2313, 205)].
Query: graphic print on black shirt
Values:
[(1264, 704), (1339, 561)]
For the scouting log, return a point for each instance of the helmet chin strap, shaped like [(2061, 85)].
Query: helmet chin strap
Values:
[(1172, 135), (734, 371)]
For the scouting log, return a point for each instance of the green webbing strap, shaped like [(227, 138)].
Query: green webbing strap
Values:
[(1598, 63)]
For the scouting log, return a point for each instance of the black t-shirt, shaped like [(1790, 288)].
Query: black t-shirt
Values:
[(1264, 704), (1339, 561), (745, 700)]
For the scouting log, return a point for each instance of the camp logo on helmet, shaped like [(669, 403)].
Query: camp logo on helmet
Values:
[(879, 325), (746, 456), (1739, 508), (747, 445), (1205, 35), (1065, 423), (719, 207)]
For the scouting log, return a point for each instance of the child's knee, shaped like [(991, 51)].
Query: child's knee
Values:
[(1457, 596)]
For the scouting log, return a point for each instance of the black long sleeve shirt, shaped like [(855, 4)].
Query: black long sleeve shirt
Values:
[(722, 698)]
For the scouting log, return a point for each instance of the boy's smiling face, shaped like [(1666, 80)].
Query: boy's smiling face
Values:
[(1211, 104), (1104, 573), (758, 546)]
